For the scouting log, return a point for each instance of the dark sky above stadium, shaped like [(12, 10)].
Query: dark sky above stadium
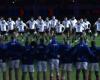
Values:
[(46, 2)]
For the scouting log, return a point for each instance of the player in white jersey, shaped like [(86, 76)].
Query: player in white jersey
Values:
[(59, 28), (18, 21), (97, 25), (21, 27), (47, 25), (32, 25), (53, 23), (87, 25), (73, 22), (40, 26), (79, 29), (47, 28), (11, 25), (3, 27), (67, 26)]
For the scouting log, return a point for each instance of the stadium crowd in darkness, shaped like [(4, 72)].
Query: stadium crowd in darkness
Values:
[(44, 48)]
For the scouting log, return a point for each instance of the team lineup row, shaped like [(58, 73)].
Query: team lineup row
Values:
[(13, 54), (47, 25)]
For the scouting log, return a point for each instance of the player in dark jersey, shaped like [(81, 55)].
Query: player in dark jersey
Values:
[(3, 58), (14, 49), (54, 57), (94, 61), (42, 52), (28, 58), (81, 53), (66, 59)]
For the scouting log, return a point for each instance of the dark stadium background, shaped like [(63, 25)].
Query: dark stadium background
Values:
[(60, 8)]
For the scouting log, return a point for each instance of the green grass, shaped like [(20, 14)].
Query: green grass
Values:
[(60, 39)]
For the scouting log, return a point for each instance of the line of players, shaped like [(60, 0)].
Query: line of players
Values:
[(69, 26), (56, 55)]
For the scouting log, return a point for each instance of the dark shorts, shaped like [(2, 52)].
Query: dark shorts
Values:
[(67, 30), (79, 33), (87, 30), (21, 32), (3, 32), (31, 30), (98, 32), (11, 31), (58, 33), (53, 29), (41, 33), (46, 30)]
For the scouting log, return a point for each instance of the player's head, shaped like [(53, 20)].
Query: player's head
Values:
[(3, 21), (98, 19), (73, 17), (32, 18), (65, 18), (53, 17), (39, 17), (58, 22), (78, 22), (85, 19), (19, 18), (93, 43), (47, 18), (1, 18), (9, 19), (81, 20)]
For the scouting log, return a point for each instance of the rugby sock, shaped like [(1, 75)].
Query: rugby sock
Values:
[(57, 76), (51, 76)]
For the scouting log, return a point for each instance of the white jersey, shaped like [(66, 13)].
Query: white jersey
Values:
[(32, 24), (79, 28), (11, 25), (53, 23), (73, 23), (97, 26), (60, 28), (3, 26), (66, 23), (86, 24), (17, 23), (47, 24), (41, 26), (21, 27)]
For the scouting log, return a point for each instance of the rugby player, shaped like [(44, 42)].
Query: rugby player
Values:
[(94, 61), (81, 52), (28, 58), (42, 53), (66, 59), (14, 49), (54, 57), (11, 26)]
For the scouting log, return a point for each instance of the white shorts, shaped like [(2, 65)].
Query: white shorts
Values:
[(94, 66), (14, 64), (26, 68), (54, 64), (82, 65), (67, 67), (42, 66)]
